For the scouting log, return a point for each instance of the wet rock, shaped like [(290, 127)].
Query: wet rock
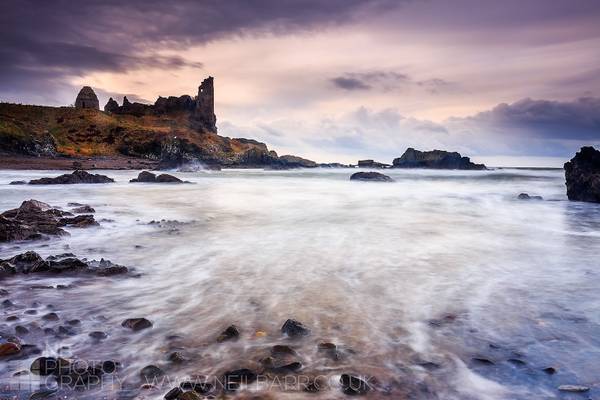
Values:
[(525, 196), (31, 262), (166, 178), (44, 366), (31, 312), (150, 372), (370, 177), (287, 368), (517, 362), (549, 370), (85, 209), (198, 387), (51, 317), (21, 330), (137, 324), (76, 177), (353, 385), (282, 349), (98, 335), (43, 394), (4, 292), (34, 219), (18, 183), (330, 350), (582, 175), (293, 328), (189, 396), (230, 333), (445, 320), (173, 394), (482, 361), (12, 318), (49, 332), (177, 357), (8, 304), (9, 349), (233, 379), (66, 331), (145, 177), (74, 322), (573, 388)]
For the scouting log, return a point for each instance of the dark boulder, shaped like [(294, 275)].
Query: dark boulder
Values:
[(231, 333), (166, 178), (370, 177), (145, 177), (149, 177), (582, 175), (76, 177), (84, 209), (137, 324), (18, 183), (352, 385), (436, 159), (293, 328), (525, 196)]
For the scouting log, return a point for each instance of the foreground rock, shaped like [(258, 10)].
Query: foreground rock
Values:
[(436, 159), (78, 176), (31, 262), (293, 328), (33, 219), (149, 177), (582, 175), (370, 176), (136, 324)]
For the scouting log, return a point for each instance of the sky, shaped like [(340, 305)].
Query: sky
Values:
[(505, 82)]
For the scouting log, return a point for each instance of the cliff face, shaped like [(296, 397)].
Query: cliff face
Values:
[(436, 159), (171, 135)]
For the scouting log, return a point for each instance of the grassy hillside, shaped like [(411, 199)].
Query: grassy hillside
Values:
[(47, 131)]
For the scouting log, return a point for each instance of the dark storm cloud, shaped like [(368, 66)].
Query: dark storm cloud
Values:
[(350, 83), (44, 43), (386, 81), (563, 120)]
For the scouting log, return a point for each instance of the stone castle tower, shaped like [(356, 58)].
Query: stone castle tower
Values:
[(87, 99), (204, 112)]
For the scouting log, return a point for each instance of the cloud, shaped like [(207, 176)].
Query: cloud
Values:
[(387, 81), (43, 45), (565, 120)]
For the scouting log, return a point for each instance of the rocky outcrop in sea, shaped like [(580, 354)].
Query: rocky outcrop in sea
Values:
[(582, 175), (436, 159)]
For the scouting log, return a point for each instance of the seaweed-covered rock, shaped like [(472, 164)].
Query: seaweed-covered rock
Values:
[(78, 176), (582, 175)]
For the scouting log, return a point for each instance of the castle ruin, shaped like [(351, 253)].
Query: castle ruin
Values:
[(86, 98), (201, 108)]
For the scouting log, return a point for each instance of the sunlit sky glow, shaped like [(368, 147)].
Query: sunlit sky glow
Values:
[(512, 82)]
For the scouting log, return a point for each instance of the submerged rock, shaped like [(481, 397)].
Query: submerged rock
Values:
[(573, 388), (353, 385), (231, 333), (76, 177), (525, 196), (84, 209), (436, 159), (137, 324), (293, 328), (582, 174), (33, 219), (370, 176), (18, 183)]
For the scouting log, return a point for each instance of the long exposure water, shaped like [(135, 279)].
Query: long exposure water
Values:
[(440, 285)]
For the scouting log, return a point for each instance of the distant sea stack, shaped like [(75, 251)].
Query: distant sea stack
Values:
[(436, 159), (87, 99), (582, 175)]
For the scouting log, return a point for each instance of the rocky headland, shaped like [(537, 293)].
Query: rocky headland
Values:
[(171, 132)]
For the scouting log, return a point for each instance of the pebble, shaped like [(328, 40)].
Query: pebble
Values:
[(293, 328), (137, 324), (51, 317), (231, 333), (9, 348)]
